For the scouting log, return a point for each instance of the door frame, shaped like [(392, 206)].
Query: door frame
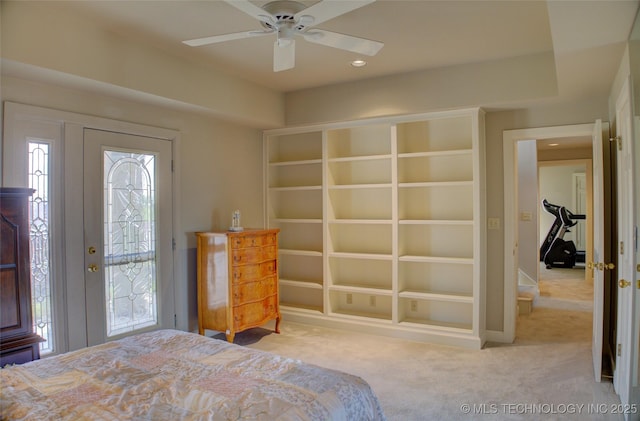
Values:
[(510, 139), (626, 371), (70, 287)]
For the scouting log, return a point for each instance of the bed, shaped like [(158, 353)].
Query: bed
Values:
[(175, 375)]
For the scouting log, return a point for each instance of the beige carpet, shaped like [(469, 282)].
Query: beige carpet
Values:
[(548, 369), (564, 289), (547, 374)]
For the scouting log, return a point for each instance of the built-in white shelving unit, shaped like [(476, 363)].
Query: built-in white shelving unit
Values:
[(295, 205), (382, 224)]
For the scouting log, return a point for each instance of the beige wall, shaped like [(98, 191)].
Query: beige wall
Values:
[(220, 167), (420, 93), (48, 35), (204, 101)]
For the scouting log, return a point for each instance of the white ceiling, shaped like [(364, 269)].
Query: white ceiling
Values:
[(587, 37)]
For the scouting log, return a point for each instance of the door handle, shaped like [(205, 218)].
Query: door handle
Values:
[(92, 268), (609, 266), (623, 284)]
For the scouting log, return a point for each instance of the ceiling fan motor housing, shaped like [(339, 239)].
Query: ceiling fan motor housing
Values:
[(284, 12)]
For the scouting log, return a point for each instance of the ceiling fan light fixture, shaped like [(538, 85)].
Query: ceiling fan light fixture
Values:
[(358, 63)]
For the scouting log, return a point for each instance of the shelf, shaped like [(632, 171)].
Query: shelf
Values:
[(364, 256), (443, 153), (361, 290), (436, 184), (355, 159), (361, 186), (362, 221), (436, 259), (363, 316), (296, 188), (296, 163), (300, 284), (295, 221), (292, 252), (438, 324), (453, 298), (434, 222)]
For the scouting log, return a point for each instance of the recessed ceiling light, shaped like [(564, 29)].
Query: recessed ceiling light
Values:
[(358, 63), (553, 144)]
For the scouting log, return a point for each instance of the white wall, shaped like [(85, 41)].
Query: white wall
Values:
[(528, 205), (556, 185)]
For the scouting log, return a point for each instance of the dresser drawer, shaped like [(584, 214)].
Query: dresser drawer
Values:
[(252, 272), (253, 255), (253, 291), (245, 241), (256, 313)]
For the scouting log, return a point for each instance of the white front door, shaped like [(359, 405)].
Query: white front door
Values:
[(127, 234), (598, 251), (625, 374)]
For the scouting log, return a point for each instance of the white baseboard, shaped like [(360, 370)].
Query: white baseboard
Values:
[(496, 336)]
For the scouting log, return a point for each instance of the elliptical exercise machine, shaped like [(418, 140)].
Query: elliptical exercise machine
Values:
[(556, 252)]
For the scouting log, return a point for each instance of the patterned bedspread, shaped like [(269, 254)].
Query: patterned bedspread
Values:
[(174, 375)]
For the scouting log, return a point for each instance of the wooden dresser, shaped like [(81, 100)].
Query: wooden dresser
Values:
[(18, 343), (237, 280)]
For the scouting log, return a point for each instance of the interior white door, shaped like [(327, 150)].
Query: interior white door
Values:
[(625, 383), (127, 234), (598, 250)]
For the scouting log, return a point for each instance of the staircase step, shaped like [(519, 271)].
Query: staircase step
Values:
[(525, 304)]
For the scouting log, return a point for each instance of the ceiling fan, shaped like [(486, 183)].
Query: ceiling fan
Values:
[(288, 19)]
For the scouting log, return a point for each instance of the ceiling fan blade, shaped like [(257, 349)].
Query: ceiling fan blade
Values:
[(329, 9), (284, 54), (227, 37), (251, 9), (344, 42)]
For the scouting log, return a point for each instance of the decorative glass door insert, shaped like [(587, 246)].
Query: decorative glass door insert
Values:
[(129, 240), (40, 218)]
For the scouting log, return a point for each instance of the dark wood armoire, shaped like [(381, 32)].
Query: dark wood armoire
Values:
[(18, 342)]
